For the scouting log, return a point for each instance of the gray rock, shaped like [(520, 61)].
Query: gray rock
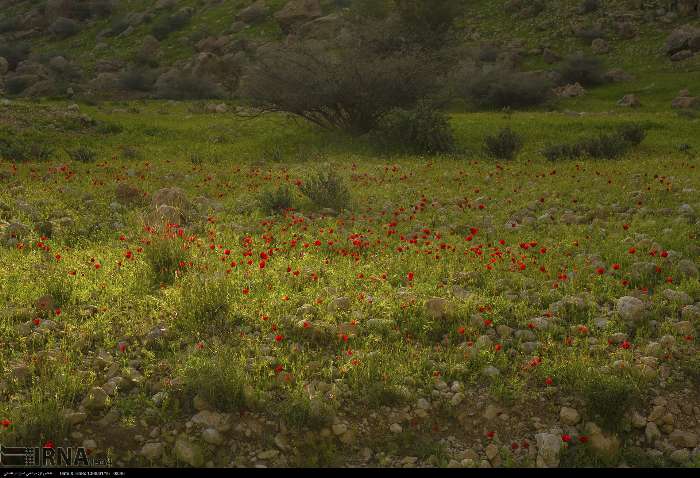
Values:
[(212, 436), (96, 399), (683, 439), (548, 449), (189, 452), (569, 416), (152, 451), (630, 308), (652, 432)]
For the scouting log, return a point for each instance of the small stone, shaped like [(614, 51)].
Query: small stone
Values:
[(97, 399), (212, 436), (652, 432), (491, 371), (189, 452), (548, 449), (681, 456), (491, 451), (437, 307), (630, 308), (339, 428), (683, 439), (569, 416), (268, 454), (152, 451), (395, 428)]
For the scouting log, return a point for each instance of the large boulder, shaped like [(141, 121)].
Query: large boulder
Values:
[(105, 82), (322, 27), (213, 44), (630, 101), (685, 101), (570, 91), (548, 449), (683, 38), (688, 8), (630, 308), (173, 197), (189, 452), (254, 13), (296, 12)]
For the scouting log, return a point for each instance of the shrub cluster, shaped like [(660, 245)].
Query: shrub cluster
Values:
[(505, 145), (273, 201), (169, 24), (501, 88), (586, 70), (604, 146), (19, 149), (82, 154), (421, 130), (326, 189)]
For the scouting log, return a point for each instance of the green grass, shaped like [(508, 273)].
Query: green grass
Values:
[(236, 333)]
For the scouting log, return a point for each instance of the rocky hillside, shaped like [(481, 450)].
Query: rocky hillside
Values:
[(127, 48)]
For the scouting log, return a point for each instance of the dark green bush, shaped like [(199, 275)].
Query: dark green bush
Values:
[(17, 84), (186, 86), (137, 79), (14, 53), (19, 149), (64, 27), (589, 6), (558, 152), (82, 154), (505, 145), (327, 189), (349, 88), (609, 397), (421, 130), (10, 24), (276, 200), (503, 88), (167, 25), (586, 70), (604, 146), (632, 133)]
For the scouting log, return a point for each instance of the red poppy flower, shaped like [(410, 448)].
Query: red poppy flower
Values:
[(490, 435), (548, 381), (6, 423), (566, 438), (583, 439), (278, 338)]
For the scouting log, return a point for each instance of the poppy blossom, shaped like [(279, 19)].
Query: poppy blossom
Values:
[(6, 423), (566, 438), (279, 338)]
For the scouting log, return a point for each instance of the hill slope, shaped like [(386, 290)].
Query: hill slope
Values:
[(56, 47)]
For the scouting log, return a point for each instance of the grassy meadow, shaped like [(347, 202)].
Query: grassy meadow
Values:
[(445, 317)]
